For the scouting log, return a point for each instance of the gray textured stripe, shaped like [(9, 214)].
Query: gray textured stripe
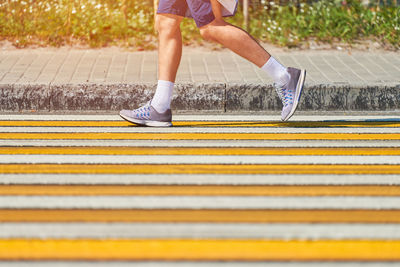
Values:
[(200, 231), (200, 264), (195, 202), (195, 159), (203, 117), (199, 179), (206, 143), (217, 130)]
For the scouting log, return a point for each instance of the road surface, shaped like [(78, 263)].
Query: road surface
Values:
[(214, 190)]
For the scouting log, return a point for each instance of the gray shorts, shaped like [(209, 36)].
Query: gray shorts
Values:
[(199, 10)]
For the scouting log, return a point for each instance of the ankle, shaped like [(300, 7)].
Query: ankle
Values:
[(277, 72), (161, 101)]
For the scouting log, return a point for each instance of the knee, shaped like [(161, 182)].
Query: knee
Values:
[(166, 25), (209, 31)]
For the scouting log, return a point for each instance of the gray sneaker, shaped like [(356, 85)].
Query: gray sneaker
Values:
[(147, 116), (290, 94)]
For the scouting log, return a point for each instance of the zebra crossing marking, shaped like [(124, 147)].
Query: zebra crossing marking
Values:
[(227, 231), (202, 143), (258, 169), (199, 190), (201, 216), (208, 117), (198, 179), (221, 151), (198, 202), (200, 250), (201, 136), (250, 189), (215, 130), (207, 123)]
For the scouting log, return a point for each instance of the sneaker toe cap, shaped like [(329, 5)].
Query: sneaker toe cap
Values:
[(126, 113)]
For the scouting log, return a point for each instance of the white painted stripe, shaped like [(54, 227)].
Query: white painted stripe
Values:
[(206, 143), (194, 159), (62, 117), (202, 117), (197, 264), (188, 202), (198, 179), (193, 130), (200, 231)]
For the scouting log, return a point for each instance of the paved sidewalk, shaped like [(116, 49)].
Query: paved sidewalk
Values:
[(109, 79)]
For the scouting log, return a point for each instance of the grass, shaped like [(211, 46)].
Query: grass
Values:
[(99, 23), (327, 21), (89, 22)]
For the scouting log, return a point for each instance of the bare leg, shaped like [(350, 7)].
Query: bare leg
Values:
[(170, 46), (234, 38)]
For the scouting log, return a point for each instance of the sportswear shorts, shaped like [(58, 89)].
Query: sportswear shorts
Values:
[(199, 10)]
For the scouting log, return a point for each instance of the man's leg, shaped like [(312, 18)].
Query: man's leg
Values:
[(158, 112), (243, 44), (233, 38), (169, 58), (169, 45), (289, 82)]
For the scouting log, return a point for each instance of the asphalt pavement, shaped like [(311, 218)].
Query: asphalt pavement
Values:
[(213, 190)]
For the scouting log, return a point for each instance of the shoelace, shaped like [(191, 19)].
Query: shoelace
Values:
[(143, 112), (286, 96), (288, 99)]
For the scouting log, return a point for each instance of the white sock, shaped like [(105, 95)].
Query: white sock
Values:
[(277, 71), (162, 98)]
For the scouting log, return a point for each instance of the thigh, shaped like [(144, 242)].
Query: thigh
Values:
[(174, 7), (216, 8)]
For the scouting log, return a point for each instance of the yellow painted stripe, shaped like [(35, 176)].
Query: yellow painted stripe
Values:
[(201, 250), (365, 151), (202, 136), (199, 190), (201, 216), (206, 123), (197, 169)]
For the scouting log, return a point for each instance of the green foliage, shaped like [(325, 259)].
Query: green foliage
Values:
[(130, 23), (326, 21), (93, 22)]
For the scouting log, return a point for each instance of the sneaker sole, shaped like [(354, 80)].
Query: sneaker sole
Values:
[(147, 122), (299, 90)]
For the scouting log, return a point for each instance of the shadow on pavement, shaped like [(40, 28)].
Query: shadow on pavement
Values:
[(394, 122)]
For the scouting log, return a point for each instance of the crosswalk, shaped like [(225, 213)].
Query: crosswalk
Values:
[(214, 190)]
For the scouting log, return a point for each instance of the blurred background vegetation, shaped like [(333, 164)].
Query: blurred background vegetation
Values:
[(129, 23)]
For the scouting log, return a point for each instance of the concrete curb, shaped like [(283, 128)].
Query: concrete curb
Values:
[(220, 97)]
